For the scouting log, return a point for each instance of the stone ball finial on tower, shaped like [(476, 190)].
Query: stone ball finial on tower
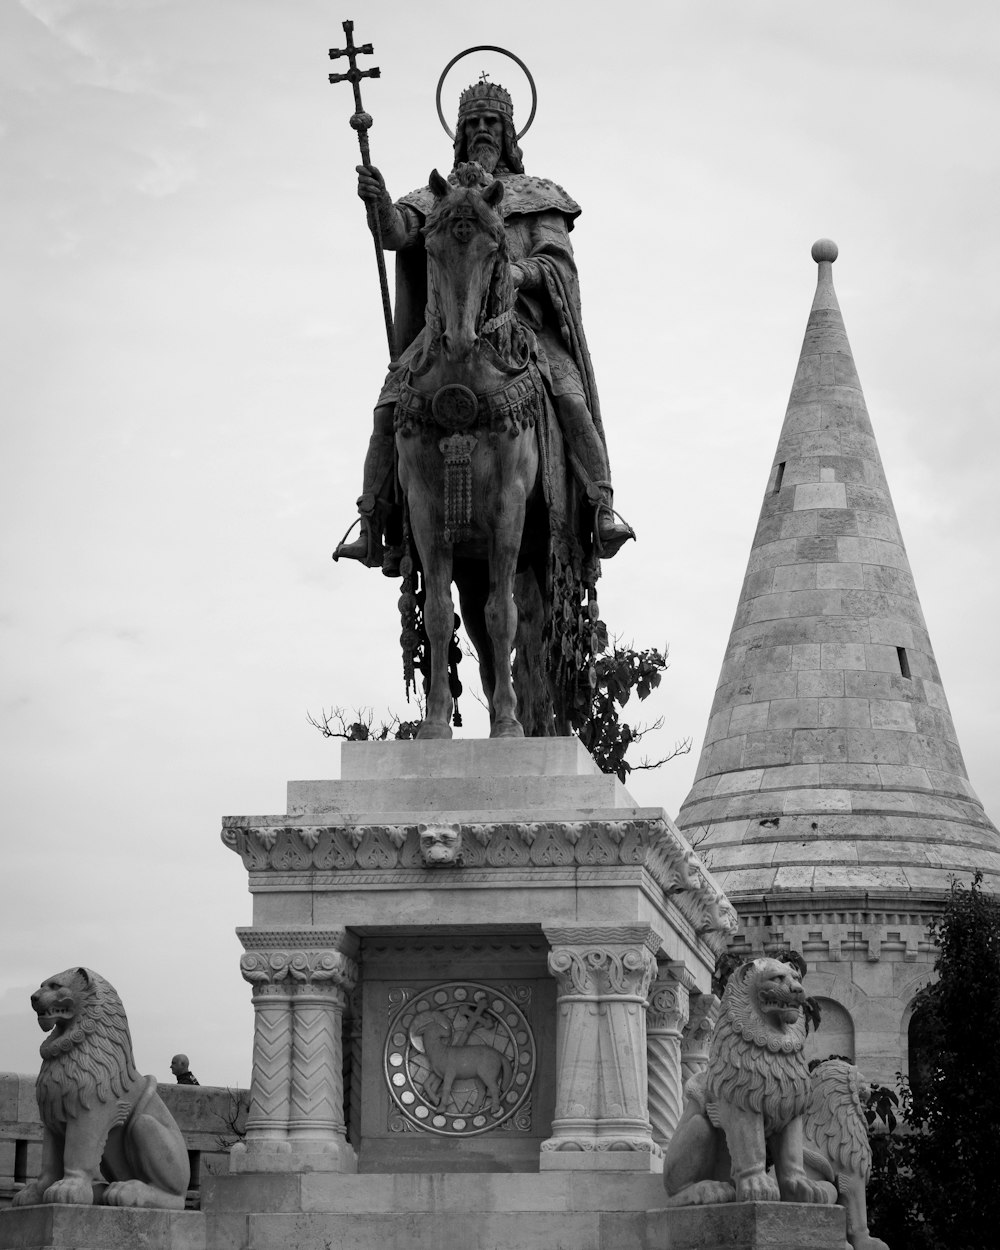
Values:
[(824, 249)]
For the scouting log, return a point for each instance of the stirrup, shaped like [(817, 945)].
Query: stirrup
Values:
[(361, 548), (620, 532)]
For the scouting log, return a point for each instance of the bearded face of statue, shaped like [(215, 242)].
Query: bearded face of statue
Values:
[(484, 139)]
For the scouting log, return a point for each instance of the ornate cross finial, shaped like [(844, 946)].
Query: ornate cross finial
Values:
[(484, 76), (361, 123)]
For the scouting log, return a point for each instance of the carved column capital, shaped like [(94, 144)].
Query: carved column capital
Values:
[(317, 959), (703, 1012), (668, 1003), (597, 963)]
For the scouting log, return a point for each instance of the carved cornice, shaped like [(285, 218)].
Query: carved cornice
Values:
[(253, 938), (651, 844)]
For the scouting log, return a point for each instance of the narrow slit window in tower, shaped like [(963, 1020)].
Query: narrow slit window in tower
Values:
[(779, 473), (904, 663)]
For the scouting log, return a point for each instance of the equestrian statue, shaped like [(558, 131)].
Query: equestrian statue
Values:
[(487, 466)]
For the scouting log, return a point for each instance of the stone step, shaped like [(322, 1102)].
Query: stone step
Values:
[(573, 796)]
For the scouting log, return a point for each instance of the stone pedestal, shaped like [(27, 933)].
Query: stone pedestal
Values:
[(505, 899), (101, 1228), (745, 1226)]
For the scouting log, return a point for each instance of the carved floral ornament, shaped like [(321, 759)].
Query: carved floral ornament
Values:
[(313, 967), (651, 844), (596, 970)]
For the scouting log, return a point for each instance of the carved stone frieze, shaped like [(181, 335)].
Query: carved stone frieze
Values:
[(651, 844)]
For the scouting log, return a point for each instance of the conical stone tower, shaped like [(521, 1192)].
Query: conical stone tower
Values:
[(831, 799)]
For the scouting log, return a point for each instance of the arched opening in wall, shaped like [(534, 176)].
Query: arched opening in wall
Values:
[(919, 1051), (835, 1035)]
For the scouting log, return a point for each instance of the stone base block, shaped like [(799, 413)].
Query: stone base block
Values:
[(601, 1161), (101, 1228), (744, 1226), (293, 1156), (431, 1211)]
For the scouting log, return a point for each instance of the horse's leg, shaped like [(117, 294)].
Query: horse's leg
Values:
[(426, 525), (531, 679), (501, 612), (473, 585)]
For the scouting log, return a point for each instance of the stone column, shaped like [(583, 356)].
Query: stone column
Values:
[(296, 1121), (702, 1014), (601, 1119), (267, 1119), (665, 1021)]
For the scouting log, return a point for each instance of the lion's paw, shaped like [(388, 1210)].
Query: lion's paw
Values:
[(127, 1194), (802, 1189), (703, 1193), (71, 1190), (757, 1187), (29, 1196)]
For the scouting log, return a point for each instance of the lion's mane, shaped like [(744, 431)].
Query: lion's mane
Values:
[(753, 1064), (835, 1118), (91, 1058)]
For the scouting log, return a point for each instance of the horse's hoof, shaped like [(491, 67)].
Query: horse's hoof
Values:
[(510, 727), (428, 730)]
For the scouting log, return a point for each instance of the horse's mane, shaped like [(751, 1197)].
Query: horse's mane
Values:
[(500, 295)]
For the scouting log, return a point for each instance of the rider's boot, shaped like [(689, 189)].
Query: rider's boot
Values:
[(374, 504), (611, 531)]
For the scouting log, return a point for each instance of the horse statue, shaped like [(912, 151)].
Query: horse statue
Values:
[(488, 501)]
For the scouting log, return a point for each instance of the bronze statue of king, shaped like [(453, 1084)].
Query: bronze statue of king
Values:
[(538, 216)]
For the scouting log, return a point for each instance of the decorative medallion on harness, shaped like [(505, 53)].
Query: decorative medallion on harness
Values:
[(455, 407), (459, 1058)]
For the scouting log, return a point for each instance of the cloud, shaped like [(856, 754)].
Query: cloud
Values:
[(168, 172)]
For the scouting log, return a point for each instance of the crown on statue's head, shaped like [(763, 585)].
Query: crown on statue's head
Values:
[(484, 97)]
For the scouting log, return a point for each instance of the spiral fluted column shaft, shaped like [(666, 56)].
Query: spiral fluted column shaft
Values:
[(665, 1020)]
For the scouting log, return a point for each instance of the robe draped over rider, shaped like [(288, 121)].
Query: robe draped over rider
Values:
[(538, 216)]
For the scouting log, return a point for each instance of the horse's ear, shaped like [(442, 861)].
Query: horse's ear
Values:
[(494, 194), (438, 185)]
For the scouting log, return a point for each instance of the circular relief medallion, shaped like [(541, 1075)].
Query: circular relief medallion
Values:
[(459, 1058), (454, 406)]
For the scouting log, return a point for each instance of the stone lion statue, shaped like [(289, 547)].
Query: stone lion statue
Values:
[(836, 1143), (108, 1137), (753, 1094)]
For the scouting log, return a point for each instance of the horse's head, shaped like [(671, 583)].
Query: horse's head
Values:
[(466, 244)]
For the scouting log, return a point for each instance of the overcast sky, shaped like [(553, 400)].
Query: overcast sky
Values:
[(192, 343)]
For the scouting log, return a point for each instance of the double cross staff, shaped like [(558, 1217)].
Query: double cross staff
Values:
[(361, 122)]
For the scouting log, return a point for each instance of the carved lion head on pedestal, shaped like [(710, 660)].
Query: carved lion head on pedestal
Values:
[(440, 845)]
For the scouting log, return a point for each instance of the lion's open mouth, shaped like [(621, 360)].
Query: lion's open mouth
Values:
[(50, 1017), (782, 1003)]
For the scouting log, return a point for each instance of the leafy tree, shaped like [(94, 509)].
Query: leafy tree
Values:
[(622, 672), (934, 1182)]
